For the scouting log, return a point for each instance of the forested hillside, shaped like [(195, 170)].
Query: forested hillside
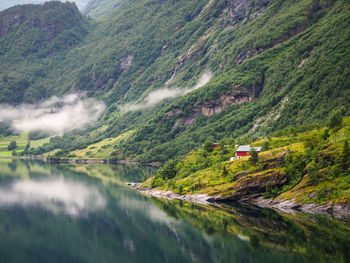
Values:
[(33, 39), (176, 73)]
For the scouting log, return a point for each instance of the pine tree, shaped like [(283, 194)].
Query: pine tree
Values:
[(254, 157)]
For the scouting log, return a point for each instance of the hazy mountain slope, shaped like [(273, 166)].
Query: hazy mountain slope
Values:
[(274, 64), (4, 4), (100, 8), (9, 3)]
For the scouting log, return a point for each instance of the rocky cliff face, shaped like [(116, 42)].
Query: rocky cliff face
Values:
[(242, 10), (235, 96)]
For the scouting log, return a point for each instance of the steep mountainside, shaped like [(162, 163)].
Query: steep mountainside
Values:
[(32, 39), (271, 64)]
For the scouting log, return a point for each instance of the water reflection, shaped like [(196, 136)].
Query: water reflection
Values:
[(124, 226), (315, 238), (152, 212), (56, 195)]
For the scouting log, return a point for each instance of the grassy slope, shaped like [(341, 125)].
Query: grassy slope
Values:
[(329, 182), (21, 141)]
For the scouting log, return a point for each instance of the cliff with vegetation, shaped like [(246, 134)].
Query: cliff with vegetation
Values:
[(303, 168)]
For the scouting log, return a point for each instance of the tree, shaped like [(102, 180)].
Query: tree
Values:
[(336, 120), (26, 149), (313, 172), (28, 146), (254, 157), (325, 134), (169, 170), (208, 146), (12, 146), (311, 141), (265, 146), (224, 172)]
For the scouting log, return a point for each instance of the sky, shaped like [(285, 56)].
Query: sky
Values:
[(4, 4)]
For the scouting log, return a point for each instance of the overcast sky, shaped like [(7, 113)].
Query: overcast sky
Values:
[(8, 3)]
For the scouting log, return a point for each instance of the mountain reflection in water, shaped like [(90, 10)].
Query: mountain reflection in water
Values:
[(84, 213)]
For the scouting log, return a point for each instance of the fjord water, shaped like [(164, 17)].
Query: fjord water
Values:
[(85, 213)]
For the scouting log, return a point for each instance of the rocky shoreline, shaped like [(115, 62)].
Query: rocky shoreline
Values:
[(285, 206), (194, 198), (339, 211)]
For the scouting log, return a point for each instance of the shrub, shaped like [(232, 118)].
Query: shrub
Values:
[(335, 120), (208, 146), (12, 146), (224, 172), (266, 146), (158, 182), (313, 172), (254, 157)]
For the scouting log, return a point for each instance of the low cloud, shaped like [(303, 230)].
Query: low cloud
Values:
[(159, 95), (55, 195), (53, 116)]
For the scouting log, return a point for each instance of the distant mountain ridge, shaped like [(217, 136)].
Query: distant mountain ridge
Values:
[(10, 3), (100, 8)]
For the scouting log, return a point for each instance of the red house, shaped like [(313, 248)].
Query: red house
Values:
[(216, 145), (243, 150)]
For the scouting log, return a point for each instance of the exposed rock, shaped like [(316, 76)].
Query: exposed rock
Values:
[(253, 185), (341, 211), (303, 62), (239, 10), (272, 116), (238, 95), (247, 53), (126, 62), (194, 198), (204, 9), (235, 96)]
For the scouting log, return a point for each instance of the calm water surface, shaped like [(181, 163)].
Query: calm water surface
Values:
[(84, 213)]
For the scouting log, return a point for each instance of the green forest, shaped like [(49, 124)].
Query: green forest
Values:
[(275, 65)]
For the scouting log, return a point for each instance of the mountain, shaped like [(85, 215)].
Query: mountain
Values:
[(32, 38), (100, 8), (9, 3), (174, 74)]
